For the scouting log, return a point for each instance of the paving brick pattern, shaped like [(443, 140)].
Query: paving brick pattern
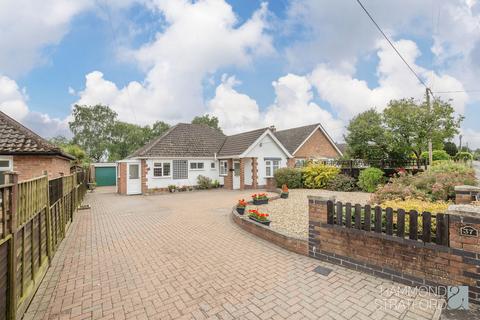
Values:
[(180, 256)]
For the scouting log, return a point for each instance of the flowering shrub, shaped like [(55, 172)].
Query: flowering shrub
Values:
[(259, 196), (258, 215), (284, 189), (418, 205), (317, 175), (242, 203), (436, 184)]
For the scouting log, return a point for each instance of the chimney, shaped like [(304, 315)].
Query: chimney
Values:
[(272, 128)]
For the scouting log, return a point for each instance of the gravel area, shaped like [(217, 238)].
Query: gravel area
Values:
[(290, 216)]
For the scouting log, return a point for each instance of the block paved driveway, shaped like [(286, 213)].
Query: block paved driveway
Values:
[(180, 256)]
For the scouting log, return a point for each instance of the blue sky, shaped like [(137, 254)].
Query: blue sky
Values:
[(250, 63)]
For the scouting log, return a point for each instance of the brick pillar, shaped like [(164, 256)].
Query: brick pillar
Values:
[(242, 174), (464, 228), (317, 215), (254, 173), (143, 177), (466, 194), (228, 179), (291, 163)]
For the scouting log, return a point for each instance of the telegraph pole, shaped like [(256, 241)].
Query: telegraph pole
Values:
[(430, 148), (460, 149)]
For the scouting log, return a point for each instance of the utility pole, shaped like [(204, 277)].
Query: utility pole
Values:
[(460, 149), (430, 147)]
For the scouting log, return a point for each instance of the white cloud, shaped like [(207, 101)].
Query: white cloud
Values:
[(200, 38), (27, 27), (13, 101), (293, 107), (349, 95)]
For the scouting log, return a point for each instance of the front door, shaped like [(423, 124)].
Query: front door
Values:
[(236, 174), (134, 182)]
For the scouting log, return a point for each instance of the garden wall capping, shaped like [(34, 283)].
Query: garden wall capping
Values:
[(464, 210)]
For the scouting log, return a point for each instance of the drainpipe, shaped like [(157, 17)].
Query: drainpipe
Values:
[(215, 156)]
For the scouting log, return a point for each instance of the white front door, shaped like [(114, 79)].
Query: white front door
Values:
[(134, 181), (236, 174)]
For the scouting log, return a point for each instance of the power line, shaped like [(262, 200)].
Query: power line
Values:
[(458, 91), (391, 44)]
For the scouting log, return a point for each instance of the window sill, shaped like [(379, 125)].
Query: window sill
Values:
[(166, 177), (197, 169)]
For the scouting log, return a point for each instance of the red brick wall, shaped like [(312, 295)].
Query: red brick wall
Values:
[(143, 175), (29, 167), (291, 163), (122, 178), (406, 261), (317, 146)]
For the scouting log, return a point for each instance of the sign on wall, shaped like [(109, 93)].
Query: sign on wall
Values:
[(468, 231)]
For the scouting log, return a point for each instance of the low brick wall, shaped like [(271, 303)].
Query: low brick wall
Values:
[(409, 262), (296, 245)]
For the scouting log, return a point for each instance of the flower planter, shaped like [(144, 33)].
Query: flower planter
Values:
[(260, 201), (241, 211), (264, 222), (284, 195)]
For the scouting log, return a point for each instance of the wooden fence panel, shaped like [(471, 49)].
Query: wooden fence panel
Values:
[(34, 217), (4, 279)]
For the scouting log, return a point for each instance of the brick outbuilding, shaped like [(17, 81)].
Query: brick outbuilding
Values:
[(28, 154)]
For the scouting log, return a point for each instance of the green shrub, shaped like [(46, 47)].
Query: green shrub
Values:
[(464, 156), (450, 166), (342, 182), (370, 178), (436, 155), (292, 177), (317, 175), (436, 184), (204, 182)]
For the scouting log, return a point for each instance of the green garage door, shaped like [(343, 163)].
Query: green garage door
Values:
[(105, 176)]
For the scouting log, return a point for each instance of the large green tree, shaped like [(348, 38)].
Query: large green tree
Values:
[(69, 147), (403, 129), (367, 137), (127, 137), (412, 124), (92, 128), (210, 121)]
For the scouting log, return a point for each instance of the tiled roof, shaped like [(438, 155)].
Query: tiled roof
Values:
[(184, 140), (238, 143), (293, 138), (17, 139)]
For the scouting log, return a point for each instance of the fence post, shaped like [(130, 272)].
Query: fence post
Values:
[(48, 222), (12, 278)]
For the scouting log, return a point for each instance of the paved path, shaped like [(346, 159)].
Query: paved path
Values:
[(181, 256)]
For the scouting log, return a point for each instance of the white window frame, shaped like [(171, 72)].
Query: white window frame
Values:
[(273, 166), (196, 163), (162, 167), (223, 166), (10, 163)]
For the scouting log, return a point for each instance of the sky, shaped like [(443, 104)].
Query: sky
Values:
[(250, 63)]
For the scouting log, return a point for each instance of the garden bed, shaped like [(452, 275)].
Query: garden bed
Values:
[(290, 216)]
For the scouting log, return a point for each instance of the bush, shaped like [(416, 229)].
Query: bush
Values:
[(342, 182), (292, 177), (418, 205), (370, 178), (464, 156), (204, 182), (436, 184), (317, 175), (450, 166), (436, 155)]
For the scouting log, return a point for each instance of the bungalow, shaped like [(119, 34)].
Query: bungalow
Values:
[(308, 142), (246, 160), (28, 154)]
